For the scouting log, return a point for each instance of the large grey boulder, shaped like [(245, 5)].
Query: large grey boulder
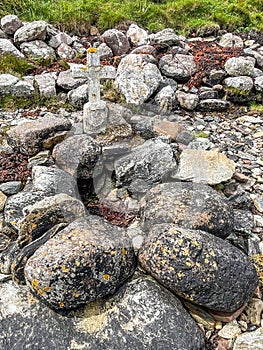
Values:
[(145, 166), (7, 48), (179, 67), (209, 167), (85, 261), (77, 155), (237, 66), (193, 206), (199, 267), (137, 77), (35, 30), (117, 41), (30, 136), (128, 319), (38, 49), (10, 24)]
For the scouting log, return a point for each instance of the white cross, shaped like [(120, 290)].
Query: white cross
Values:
[(93, 71)]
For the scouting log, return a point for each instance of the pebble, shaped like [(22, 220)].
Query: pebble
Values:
[(230, 330)]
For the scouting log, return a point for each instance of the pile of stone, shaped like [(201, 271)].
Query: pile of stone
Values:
[(140, 76), (191, 180), (69, 258)]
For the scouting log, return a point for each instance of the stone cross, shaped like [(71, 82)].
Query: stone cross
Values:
[(95, 112)]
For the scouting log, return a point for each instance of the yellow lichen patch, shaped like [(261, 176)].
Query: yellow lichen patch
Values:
[(44, 253), (92, 50), (46, 289), (212, 253), (61, 304), (180, 274), (180, 241), (33, 226), (206, 261), (106, 277), (196, 244), (123, 251), (84, 68), (64, 268), (214, 264), (163, 249), (13, 222), (197, 264), (77, 263), (188, 263), (76, 295), (35, 284), (163, 262), (186, 252)]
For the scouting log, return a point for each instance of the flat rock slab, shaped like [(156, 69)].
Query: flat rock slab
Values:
[(142, 315), (87, 260), (28, 137), (145, 166), (189, 205), (207, 167), (199, 267)]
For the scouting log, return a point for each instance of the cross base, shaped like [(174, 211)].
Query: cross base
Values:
[(95, 117)]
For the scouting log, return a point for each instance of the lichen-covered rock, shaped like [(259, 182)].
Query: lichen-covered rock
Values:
[(50, 211), (193, 206), (236, 66), (210, 167), (213, 104), (46, 182), (104, 51), (6, 47), (239, 84), (230, 40), (199, 267), (137, 35), (60, 38), (110, 325), (87, 260), (180, 67), (145, 166), (65, 51), (29, 136), (165, 38), (35, 30), (166, 98), (117, 41), (38, 49), (3, 199), (138, 77), (46, 83), (10, 24), (67, 82), (77, 155), (259, 83), (77, 97), (187, 100)]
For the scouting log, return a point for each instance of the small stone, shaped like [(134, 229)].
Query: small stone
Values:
[(230, 40), (3, 199), (240, 177), (184, 137), (258, 203), (254, 311), (218, 325), (186, 100), (230, 331), (10, 24), (250, 341), (11, 187)]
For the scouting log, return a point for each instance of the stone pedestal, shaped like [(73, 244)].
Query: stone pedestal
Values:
[(95, 117)]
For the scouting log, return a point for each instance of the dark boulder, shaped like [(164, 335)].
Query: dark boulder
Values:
[(187, 204), (198, 266)]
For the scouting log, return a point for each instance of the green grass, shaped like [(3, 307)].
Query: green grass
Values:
[(14, 65), (182, 15)]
